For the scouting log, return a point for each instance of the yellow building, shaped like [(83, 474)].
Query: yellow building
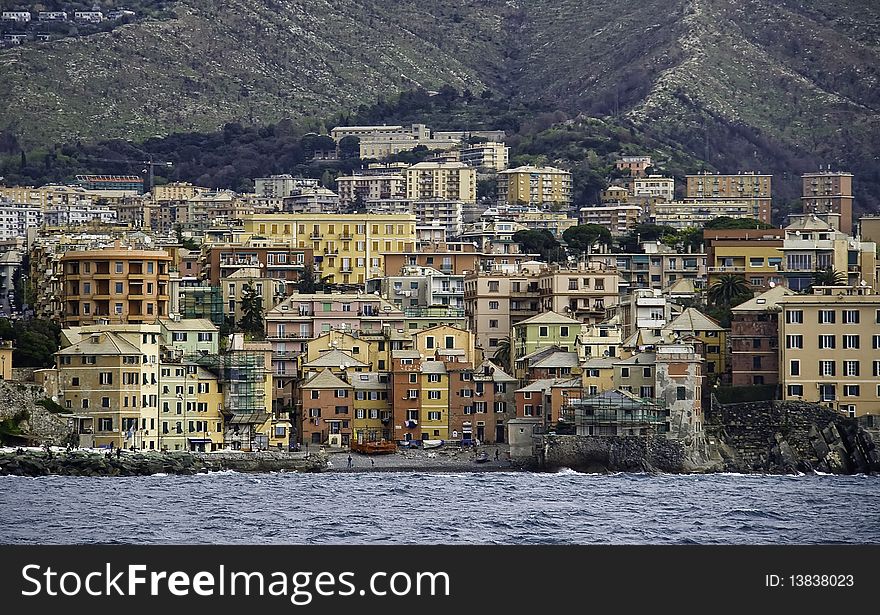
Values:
[(453, 181), (348, 248), (692, 322), (434, 407), (372, 407), (373, 351), (450, 343), (6, 359), (176, 191), (828, 344), (190, 411), (535, 186), (99, 379), (754, 254), (598, 375)]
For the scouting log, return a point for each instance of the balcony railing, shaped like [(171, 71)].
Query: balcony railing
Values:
[(434, 312), (730, 269)]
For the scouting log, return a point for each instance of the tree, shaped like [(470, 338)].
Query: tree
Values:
[(501, 358), (829, 277), (726, 222), (536, 242), (349, 147), (306, 284), (252, 310), (583, 237), (729, 290)]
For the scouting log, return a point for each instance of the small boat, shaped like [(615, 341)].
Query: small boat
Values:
[(482, 457), (378, 447), (433, 443)]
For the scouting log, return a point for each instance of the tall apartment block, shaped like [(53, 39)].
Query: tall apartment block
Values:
[(748, 186), (829, 192)]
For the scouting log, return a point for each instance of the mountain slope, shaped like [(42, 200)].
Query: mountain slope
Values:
[(779, 86)]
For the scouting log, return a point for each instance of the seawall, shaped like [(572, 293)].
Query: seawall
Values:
[(89, 463)]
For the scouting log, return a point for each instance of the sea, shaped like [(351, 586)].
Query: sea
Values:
[(403, 508)]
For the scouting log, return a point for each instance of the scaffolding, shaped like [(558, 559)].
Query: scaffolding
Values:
[(616, 413), (202, 302)]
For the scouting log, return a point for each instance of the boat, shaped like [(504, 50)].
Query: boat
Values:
[(482, 457), (377, 447), (433, 443)]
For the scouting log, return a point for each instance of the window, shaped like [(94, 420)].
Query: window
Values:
[(572, 284), (795, 390), (433, 394), (206, 337), (876, 368), (105, 424), (543, 331), (850, 317), (493, 324), (794, 317), (850, 368), (493, 305), (646, 391), (316, 394), (118, 308), (118, 267), (794, 341), (827, 392), (493, 287), (412, 393), (433, 377), (681, 393), (563, 331), (105, 378), (851, 342), (340, 393), (624, 372), (756, 342), (119, 290), (756, 362), (850, 390), (527, 410), (794, 367), (413, 378), (105, 402), (826, 368), (826, 341), (646, 372), (429, 341), (434, 416), (341, 410), (826, 317)]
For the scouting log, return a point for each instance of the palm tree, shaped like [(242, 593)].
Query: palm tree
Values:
[(502, 353), (728, 288), (828, 277)]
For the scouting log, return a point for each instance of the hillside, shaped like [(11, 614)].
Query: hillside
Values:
[(779, 86)]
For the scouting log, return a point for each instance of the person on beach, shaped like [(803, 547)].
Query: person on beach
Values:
[(119, 453), (496, 454), (372, 462), (349, 462)]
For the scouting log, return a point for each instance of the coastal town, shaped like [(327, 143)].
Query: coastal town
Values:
[(393, 309)]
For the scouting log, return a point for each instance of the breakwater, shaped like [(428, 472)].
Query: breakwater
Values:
[(90, 463)]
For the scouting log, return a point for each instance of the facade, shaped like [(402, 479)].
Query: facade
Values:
[(490, 156), (327, 410), (812, 242), (277, 260), (693, 323), (535, 186), (829, 192), (756, 255), (447, 214), (697, 212), (123, 183), (17, 218), (619, 219), (828, 345), (235, 285), (751, 187), (654, 187), (176, 191), (657, 267), (453, 181), (425, 295), (116, 285), (280, 186), (348, 248), (636, 165), (542, 331), (370, 187), (754, 339)]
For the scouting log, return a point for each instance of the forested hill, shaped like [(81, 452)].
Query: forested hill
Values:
[(779, 86)]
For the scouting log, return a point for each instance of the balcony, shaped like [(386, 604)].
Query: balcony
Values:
[(434, 312), (731, 269), (289, 336)]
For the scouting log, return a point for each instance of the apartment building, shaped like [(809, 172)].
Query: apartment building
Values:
[(692, 323), (488, 156), (828, 344), (425, 295), (496, 300), (115, 284), (619, 219), (751, 187), (493, 236), (829, 192), (554, 222), (812, 242), (236, 285), (327, 409), (697, 212), (176, 191), (444, 213), (481, 401), (348, 248), (280, 186), (17, 218), (583, 292), (654, 187), (547, 329), (657, 267), (370, 187), (453, 181), (636, 165), (278, 261), (535, 186), (754, 339), (754, 254), (190, 416)]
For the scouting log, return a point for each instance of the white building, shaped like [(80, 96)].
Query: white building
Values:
[(76, 215), (278, 186), (654, 186), (17, 218), (17, 16), (89, 16)]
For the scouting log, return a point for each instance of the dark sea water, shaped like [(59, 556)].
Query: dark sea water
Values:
[(411, 508)]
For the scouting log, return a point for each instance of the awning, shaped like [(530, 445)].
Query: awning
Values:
[(248, 418), (200, 440)]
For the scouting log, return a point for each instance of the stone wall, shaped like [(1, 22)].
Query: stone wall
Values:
[(615, 454), (41, 425), (788, 436)]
